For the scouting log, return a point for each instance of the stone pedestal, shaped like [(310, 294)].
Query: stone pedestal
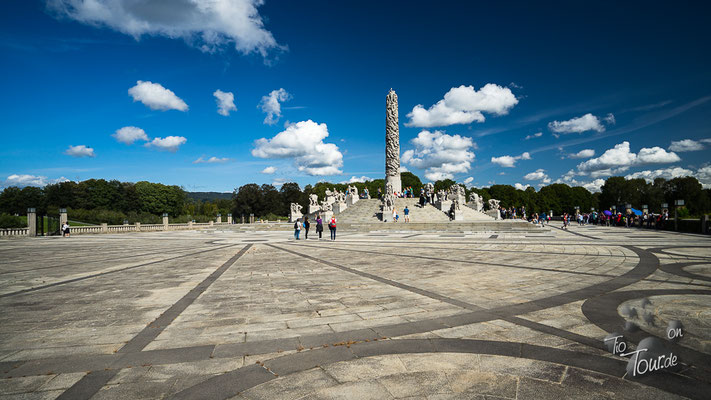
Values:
[(443, 205), (104, 227), (138, 226), (330, 199), (458, 216), (32, 222), (190, 224), (387, 215), (494, 213), (313, 210), (218, 219), (229, 219), (339, 207), (395, 181), (212, 223), (165, 220), (62, 217), (326, 217)]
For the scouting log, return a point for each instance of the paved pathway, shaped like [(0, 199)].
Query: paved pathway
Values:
[(222, 314)]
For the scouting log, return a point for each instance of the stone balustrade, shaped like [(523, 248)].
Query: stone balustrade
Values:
[(14, 231)]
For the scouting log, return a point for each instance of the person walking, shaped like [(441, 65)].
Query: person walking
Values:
[(65, 229), (307, 225), (332, 227), (319, 226), (406, 212), (297, 229)]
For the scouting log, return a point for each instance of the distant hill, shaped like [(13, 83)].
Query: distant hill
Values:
[(209, 196)]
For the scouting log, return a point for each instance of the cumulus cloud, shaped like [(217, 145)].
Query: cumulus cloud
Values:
[(269, 170), (463, 105), (535, 135), (22, 180), (211, 160), (206, 24), (537, 175), (610, 119), (225, 102), (510, 161), (156, 97), (129, 134), (687, 145), (703, 174), (521, 187), (271, 104), (403, 169), (587, 153), (169, 143), (356, 179), (587, 122), (468, 180), (440, 155), (620, 157), (303, 142), (569, 178), (79, 151)]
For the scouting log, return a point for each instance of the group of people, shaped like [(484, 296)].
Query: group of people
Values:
[(407, 192), (405, 212), (305, 225)]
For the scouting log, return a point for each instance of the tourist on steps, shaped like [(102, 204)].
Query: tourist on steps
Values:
[(406, 212), (307, 225)]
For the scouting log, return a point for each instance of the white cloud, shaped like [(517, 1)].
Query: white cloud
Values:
[(271, 104), (303, 142), (355, 179), (666, 173), (403, 169), (22, 180), (656, 155), (703, 174), (587, 122), (469, 180), (535, 135), (211, 160), (225, 102), (156, 97), (687, 145), (206, 24), (169, 143), (129, 134), (79, 151), (593, 186), (569, 178), (510, 161), (520, 186), (587, 153), (440, 155), (269, 170), (463, 105), (621, 157), (537, 175), (610, 119)]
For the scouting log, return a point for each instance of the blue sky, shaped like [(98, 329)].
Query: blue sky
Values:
[(509, 94)]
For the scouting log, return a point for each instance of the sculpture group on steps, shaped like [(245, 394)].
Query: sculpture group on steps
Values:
[(476, 201)]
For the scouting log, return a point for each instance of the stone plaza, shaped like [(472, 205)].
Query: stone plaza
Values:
[(232, 312)]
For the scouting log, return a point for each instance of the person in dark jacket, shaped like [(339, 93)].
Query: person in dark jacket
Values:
[(319, 226), (307, 225)]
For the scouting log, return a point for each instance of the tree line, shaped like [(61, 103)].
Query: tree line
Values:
[(99, 200)]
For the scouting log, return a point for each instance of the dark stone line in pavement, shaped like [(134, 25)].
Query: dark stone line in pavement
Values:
[(647, 264), (494, 237), (465, 261), (90, 384), (95, 362), (411, 236), (678, 270), (575, 233), (232, 383), (36, 288), (602, 311), (84, 261)]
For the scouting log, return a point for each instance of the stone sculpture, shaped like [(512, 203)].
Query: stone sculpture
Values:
[(388, 203), (295, 212), (326, 206), (476, 201), (389, 189), (392, 143), (494, 209), (313, 199)]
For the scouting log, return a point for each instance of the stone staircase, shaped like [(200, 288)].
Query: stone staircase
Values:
[(368, 211)]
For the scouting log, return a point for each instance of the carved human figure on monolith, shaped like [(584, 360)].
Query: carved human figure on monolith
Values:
[(392, 143), (476, 201)]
